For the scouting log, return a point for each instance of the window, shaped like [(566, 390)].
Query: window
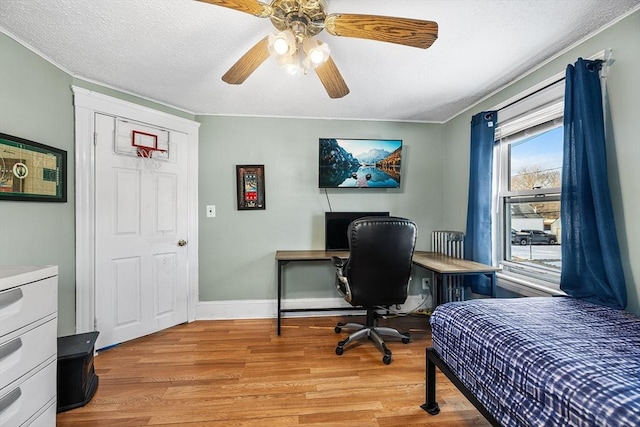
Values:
[(527, 181)]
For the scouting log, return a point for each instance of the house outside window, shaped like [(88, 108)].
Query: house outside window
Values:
[(527, 182)]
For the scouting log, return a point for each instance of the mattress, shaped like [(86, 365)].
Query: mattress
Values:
[(544, 361)]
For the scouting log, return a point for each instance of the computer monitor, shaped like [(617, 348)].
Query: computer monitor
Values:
[(335, 228)]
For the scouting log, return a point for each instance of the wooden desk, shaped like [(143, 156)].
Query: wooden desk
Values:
[(442, 266)]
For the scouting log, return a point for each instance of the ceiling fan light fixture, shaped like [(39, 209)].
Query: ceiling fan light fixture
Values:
[(316, 56), (280, 46), (316, 52), (292, 69), (283, 43), (290, 64)]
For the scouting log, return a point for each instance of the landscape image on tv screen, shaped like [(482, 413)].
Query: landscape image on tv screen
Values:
[(365, 163)]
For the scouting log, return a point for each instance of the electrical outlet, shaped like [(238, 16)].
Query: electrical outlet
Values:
[(426, 283), (211, 211)]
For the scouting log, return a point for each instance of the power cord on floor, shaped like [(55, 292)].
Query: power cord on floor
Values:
[(419, 310)]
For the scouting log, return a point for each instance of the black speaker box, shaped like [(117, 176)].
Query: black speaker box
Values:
[(77, 380)]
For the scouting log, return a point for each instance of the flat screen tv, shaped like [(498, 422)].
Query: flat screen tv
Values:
[(335, 228), (359, 163)]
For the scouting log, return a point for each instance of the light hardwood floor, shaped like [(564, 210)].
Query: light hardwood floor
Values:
[(240, 373)]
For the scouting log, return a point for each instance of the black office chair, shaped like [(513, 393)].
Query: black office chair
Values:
[(376, 275)]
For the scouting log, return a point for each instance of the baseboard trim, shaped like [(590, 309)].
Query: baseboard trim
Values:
[(268, 309)]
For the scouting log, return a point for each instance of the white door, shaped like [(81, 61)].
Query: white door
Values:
[(141, 227)]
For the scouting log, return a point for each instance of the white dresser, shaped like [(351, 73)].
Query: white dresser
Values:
[(28, 345)]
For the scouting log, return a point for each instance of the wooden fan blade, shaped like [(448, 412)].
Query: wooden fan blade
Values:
[(405, 31), (254, 7), (332, 79), (246, 65)]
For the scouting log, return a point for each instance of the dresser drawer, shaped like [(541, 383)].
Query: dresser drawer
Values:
[(19, 402), (21, 353), (23, 305), (45, 419)]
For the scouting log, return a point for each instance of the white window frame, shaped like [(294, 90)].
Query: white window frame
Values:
[(536, 276), (539, 110)]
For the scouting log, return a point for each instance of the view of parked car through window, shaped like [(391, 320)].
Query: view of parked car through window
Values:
[(532, 237)]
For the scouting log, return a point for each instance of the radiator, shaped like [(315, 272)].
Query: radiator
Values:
[(450, 243)]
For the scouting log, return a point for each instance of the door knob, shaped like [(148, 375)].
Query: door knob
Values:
[(182, 242)]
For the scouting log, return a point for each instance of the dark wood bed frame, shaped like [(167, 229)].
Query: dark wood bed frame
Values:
[(430, 405)]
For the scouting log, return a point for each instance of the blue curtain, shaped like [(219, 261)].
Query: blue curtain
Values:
[(477, 239), (591, 266)]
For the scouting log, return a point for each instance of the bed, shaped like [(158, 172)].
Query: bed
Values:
[(539, 361)]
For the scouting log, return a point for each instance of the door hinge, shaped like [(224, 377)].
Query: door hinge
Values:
[(95, 138)]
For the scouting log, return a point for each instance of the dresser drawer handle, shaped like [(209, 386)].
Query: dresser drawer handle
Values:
[(9, 399), (10, 297), (10, 347)]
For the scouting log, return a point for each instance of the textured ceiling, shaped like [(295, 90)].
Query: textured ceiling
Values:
[(175, 52)]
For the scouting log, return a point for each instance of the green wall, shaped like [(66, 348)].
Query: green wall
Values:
[(36, 104), (237, 248), (623, 128)]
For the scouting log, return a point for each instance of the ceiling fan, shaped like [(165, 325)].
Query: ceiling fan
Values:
[(296, 49)]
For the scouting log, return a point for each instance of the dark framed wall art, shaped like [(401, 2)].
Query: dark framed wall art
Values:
[(250, 186), (30, 171)]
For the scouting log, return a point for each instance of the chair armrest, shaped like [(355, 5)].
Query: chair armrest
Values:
[(342, 284), (337, 262)]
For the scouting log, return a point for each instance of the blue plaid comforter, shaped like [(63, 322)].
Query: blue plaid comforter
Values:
[(553, 361)]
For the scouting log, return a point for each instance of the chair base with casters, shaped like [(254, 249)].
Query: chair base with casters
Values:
[(372, 331)]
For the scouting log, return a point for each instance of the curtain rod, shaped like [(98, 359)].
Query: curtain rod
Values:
[(604, 55), (531, 94)]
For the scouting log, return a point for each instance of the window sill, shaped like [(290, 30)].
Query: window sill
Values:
[(527, 286)]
